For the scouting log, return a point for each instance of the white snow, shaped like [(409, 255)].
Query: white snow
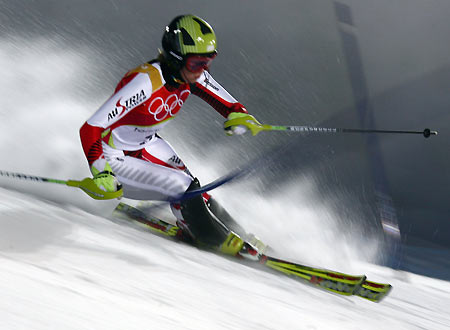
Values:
[(63, 267), (68, 269)]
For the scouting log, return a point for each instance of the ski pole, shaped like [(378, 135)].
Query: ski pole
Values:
[(87, 185), (256, 127), (309, 129)]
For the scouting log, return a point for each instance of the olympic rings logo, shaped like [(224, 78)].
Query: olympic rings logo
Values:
[(160, 109)]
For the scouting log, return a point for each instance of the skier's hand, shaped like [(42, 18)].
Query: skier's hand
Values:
[(104, 177), (107, 181), (238, 123)]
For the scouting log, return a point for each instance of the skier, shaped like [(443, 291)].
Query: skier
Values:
[(124, 150)]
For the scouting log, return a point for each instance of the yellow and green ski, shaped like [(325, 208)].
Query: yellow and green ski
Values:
[(340, 283), (336, 282), (130, 213)]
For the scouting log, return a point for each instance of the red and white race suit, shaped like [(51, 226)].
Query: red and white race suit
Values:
[(123, 131)]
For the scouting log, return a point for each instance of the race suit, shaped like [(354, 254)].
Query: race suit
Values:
[(123, 132)]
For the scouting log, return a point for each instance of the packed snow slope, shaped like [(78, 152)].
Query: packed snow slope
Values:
[(64, 268)]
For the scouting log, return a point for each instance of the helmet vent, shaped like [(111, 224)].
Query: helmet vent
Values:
[(203, 27), (187, 39)]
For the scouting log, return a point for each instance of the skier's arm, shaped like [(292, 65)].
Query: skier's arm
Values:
[(215, 95), (98, 127)]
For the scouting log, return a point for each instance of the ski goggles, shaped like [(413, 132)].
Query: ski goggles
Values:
[(197, 63)]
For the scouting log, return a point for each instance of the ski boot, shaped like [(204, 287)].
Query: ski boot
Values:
[(232, 245), (210, 225), (236, 246), (256, 243), (251, 242)]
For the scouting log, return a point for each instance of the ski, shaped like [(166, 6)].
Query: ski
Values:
[(336, 282), (340, 283), (373, 291), (130, 213)]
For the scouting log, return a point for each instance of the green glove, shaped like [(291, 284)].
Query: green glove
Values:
[(238, 123), (105, 179)]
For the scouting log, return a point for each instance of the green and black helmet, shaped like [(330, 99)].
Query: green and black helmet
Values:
[(188, 35)]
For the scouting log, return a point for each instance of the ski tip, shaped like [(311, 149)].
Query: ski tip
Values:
[(373, 291)]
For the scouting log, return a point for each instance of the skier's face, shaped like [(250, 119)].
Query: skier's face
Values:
[(196, 63), (190, 77), (194, 67)]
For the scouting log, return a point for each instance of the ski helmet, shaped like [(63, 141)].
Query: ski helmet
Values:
[(187, 35)]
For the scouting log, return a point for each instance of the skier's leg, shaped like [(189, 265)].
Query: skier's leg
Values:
[(229, 221), (223, 215), (200, 221), (211, 224), (146, 176), (157, 173)]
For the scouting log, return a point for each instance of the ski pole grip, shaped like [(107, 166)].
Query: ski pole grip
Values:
[(90, 188), (427, 132), (73, 183)]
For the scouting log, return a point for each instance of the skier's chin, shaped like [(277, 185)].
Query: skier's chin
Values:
[(190, 77)]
